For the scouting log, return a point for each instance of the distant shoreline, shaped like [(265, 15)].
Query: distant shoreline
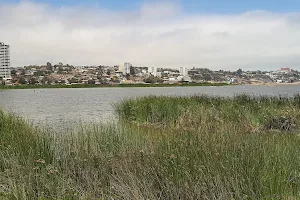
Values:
[(139, 85), (276, 84), (110, 86)]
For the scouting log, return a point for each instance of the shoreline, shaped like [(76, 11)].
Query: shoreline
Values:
[(275, 84), (111, 86), (10, 87)]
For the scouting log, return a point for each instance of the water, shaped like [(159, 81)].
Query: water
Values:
[(61, 107)]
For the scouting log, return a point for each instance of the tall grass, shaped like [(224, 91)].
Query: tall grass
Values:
[(162, 148), (242, 112)]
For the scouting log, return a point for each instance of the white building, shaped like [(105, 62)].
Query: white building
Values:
[(4, 61), (183, 71), (125, 68), (184, 78), (152, 71)]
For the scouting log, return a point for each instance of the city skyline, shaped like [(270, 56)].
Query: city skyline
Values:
[(250, 36)]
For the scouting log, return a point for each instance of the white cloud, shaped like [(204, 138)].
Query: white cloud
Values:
[(159, 34)]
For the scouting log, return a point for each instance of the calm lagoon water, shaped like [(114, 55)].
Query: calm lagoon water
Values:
[(61, 107)]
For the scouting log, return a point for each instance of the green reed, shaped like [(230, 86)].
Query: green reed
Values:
[(195, 147)]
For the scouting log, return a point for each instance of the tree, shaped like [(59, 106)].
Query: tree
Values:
[(13, 72), (91, 82), (101, 79), (239, 72), (22, 80), (39, 73), (207, 77), (32, 81), (73, 80), (60, 70), (152, 79), (115, 79), (127, 76), (49, 66), (46, 80)]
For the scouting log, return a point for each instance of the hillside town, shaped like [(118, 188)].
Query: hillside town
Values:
[(126, 73)]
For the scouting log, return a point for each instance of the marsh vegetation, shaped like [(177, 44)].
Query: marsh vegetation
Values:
[(196, 147)]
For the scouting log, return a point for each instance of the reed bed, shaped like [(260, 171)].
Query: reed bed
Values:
[(243, 112), (194, 147)]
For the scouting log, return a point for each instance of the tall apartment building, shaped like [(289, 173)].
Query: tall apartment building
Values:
[(125, 68), (183, 71), (152, 70), (4, 61)]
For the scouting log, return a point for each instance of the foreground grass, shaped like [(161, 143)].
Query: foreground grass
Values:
[(162, 148)]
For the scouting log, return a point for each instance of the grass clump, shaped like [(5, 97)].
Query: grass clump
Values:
[(195, 147), (243, 112)]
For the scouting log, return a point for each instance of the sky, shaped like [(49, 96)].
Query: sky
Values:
[(215, 34)]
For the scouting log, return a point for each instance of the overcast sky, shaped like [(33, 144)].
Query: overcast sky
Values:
[(162, 34)]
